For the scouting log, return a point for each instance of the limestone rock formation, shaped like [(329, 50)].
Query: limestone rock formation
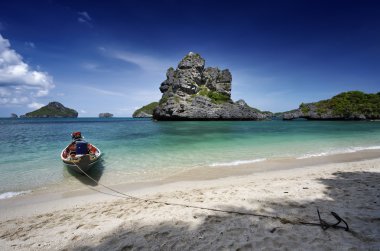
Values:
[(105, 115), (193, 92), (52, 110), (14, 116)]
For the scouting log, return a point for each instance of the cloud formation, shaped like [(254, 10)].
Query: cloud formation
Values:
[(145, 62), (84, 18), (30, 44), (35, 105), (105, 92), (19, 84)]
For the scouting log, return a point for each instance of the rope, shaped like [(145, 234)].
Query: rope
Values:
[(323, 224)]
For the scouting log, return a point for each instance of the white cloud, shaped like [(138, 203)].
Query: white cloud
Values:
[(30, 44), (85, 15), (90, 66), (84, 18), (105, 92), (140, 95), (145, 62), (35, 105), (18, 82)]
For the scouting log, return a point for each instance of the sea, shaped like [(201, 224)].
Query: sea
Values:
[(138, 150)]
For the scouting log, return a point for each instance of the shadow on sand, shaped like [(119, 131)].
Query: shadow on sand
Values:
[(96, 172), (355, 196)]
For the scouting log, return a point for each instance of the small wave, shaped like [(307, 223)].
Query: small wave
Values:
[(339, 151), (237, 162), (8, 195), (368, 148)]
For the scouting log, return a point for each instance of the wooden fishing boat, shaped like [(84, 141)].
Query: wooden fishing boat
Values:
[(79, 155)]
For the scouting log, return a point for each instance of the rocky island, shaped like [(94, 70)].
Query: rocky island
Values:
[(193, 92), (52, 110), (14, 116), (145, 111), (105, 115), (352, 105)]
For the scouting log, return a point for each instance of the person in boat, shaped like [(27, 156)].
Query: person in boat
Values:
[(79, 145)]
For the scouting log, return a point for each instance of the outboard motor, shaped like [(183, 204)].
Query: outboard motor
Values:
[(81, 147)]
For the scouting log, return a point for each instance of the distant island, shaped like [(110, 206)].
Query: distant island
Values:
[(105, 115), (193, 92), (52, 110), (352, 105), (13, 116), (145, 111)]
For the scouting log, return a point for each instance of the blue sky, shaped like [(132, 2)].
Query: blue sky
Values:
[(111, 56)]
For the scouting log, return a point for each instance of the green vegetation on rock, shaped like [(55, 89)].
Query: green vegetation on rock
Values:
[(218, 97), (147, 109), (304, 108), (203, 91), (351, 103), (53, 110), (163, 100)]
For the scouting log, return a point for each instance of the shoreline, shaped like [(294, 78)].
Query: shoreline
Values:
[(88, 193), (86, 219), (195, 174), (209, 173)]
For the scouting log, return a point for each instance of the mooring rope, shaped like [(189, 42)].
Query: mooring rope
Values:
[(323, 224)]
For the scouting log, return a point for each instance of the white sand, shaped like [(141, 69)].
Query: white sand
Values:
[(101, 222)]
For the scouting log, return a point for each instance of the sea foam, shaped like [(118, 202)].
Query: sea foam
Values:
[(8, 195), (237, 162), (338, 151)]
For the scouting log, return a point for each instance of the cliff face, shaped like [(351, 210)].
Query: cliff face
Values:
[(52, 110), (353, 105), (193, 92)]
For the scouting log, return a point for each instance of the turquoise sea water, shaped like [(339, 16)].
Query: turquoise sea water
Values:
[(140, 150)]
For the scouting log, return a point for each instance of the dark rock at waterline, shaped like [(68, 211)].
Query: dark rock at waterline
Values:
[(105, 115)]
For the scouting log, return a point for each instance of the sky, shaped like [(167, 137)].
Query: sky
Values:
[(111, 56)]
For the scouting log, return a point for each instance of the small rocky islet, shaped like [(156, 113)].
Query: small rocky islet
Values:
[(105, 115), (52, 110)]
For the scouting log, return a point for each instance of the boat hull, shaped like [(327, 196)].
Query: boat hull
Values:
[(81, 163)]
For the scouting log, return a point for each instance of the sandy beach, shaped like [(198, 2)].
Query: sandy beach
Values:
[(274, 201)]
